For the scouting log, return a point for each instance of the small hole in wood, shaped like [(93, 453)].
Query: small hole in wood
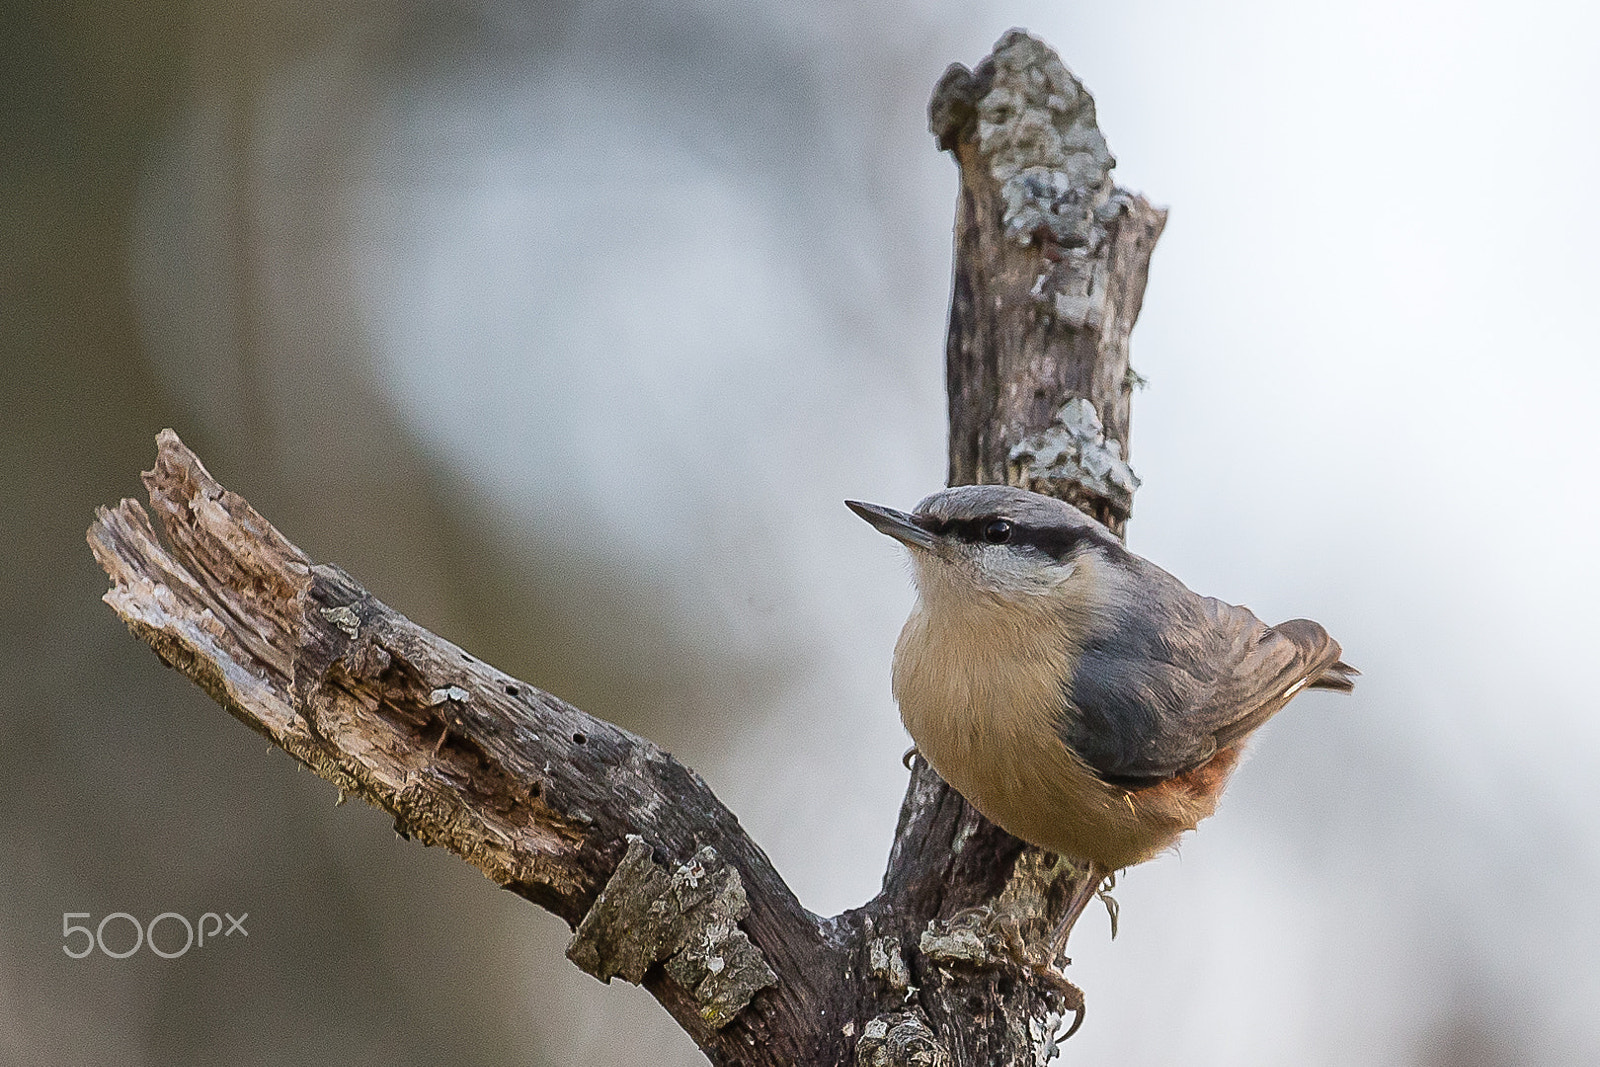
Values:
[(466, 657), (512, 690), (579, 739)]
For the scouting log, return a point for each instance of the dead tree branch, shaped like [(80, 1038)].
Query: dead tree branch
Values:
[(544, 799), (604, 829)]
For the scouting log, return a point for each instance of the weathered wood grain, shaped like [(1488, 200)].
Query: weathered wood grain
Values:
[(538, 795)]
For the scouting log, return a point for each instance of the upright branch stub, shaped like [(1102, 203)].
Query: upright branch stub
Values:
[(1051, 260), (1050, 266)]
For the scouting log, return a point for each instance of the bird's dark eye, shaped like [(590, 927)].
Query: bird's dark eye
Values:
[(997, 532)]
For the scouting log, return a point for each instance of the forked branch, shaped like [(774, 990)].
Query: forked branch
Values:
[(604, 829)]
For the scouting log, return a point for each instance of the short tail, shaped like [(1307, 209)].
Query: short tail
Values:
[(1341, 678)]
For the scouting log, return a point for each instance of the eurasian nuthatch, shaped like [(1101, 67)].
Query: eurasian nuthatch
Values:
[(1080, 697)]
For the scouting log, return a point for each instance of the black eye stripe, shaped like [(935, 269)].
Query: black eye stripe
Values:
[(969, 530), (1056, 542)]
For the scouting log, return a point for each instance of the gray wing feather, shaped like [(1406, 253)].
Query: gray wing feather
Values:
[(1170, 677)]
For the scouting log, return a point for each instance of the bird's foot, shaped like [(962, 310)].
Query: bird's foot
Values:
[(1071, 996), (1042, 968)]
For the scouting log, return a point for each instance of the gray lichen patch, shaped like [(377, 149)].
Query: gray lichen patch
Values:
[(899, 1040), (687, 918), (1074, 451), (975, 937), (1047, 1033), (344, 618), (1036, 130), (1034, 127), (886, 963), (1043, 200)]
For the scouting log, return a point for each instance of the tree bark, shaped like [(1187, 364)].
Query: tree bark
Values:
[(660, 883)]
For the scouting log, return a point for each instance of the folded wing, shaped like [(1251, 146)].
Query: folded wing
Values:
[(1161, 687)]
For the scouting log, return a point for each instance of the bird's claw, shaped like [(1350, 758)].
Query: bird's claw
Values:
[(1113, 909), (1071, 995), (1003, 939)]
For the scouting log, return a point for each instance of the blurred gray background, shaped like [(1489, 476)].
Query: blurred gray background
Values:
[(567, 326)]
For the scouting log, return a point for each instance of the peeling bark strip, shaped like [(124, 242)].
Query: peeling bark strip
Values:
[(687, 918), (572, 812)]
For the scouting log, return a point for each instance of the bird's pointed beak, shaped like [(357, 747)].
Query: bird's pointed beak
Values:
[(897, 524)]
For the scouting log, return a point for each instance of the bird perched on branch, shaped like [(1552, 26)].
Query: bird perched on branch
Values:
[(1080, 697)]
